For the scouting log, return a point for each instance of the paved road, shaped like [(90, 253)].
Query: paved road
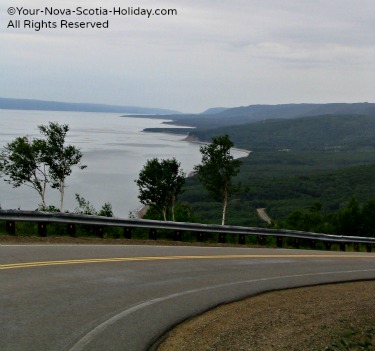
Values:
[(77, 297)]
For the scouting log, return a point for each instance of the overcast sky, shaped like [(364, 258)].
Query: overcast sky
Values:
[(212, 53)]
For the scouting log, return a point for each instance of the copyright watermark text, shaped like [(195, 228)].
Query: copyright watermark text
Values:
[(38, 18)]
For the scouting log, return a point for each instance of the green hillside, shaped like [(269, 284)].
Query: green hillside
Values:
[(328, 132), (293, 164), (283, 182), (300, 154)]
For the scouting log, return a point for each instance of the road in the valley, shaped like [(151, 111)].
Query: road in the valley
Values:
[(82, 297)]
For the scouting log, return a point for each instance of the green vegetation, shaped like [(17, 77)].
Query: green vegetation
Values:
[(301, 154), (284, 182), (314, 164), (159, 184), (355, 338), (217, 169), (58, 157), (321, 133), (352, 219), (281, 189), (85, 208), (23, 164), (38, 162), (183, 213), (326, 159), (310, 173)]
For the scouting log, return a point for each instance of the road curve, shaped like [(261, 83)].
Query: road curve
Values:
[(93, 297)]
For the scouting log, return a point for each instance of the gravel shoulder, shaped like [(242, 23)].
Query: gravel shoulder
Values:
[(328, 317)]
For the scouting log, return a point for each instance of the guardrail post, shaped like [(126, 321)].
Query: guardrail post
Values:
[(296, 243), (369, 247), (260, 240), (222, 238), (127, 233), (200, 236), (100, 232), (153, 234), (71, 229), (42, 229), (279, 241), (10, 227), (356, 247), (241, 239), (342, 246), (328, 245), (313, 244), (177, 235)]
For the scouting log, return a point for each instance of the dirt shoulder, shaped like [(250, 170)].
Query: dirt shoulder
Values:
[(329, 317)]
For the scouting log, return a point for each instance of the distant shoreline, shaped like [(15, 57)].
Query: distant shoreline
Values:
[(195, 140), (46, 105)]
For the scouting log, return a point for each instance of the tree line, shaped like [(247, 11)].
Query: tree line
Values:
[(353, 219)]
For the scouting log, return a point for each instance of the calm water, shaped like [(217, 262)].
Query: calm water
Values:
[(114, 149)]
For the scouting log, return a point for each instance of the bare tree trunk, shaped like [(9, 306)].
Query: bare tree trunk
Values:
[(40, 187), (43, 200), (225, 204), (172, 209), (62, 189), (42, 194)]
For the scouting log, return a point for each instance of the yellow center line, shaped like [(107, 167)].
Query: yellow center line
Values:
[(158, 258)]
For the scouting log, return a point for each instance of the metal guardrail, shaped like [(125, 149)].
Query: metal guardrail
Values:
[(43, 218)]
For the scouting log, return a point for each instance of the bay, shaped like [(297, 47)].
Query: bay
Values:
[(114, 149)]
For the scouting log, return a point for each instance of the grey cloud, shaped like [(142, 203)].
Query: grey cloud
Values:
[(214, 52)]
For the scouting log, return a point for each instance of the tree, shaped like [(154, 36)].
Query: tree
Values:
[(350, 219), (59, 157), (38, 162), (160, 182), (368, 217), (22, 160), (217, 169)]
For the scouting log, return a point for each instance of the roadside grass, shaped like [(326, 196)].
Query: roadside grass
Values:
[(355, 338)]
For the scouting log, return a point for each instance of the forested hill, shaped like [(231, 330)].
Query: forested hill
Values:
[(332, 132), (262, 112), (41, 105), (220, 117)]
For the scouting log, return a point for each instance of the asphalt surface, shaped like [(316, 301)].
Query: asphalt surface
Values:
[(82, 297)]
